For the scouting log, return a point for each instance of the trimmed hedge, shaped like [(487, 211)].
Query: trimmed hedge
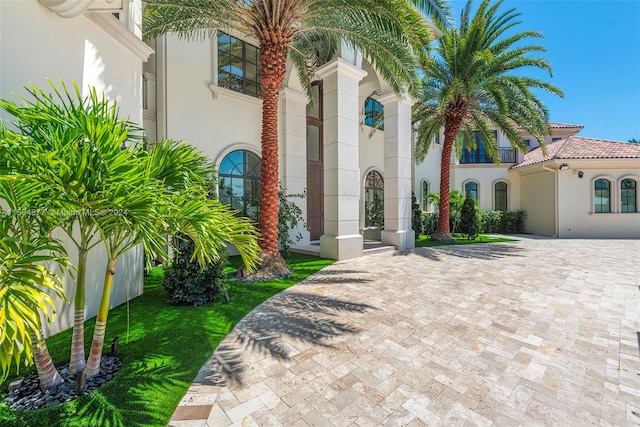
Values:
[(186, 283), (490, 222)]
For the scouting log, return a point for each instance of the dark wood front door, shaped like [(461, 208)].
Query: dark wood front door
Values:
[(315, 166)]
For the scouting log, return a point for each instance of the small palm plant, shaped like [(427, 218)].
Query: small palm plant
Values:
[(93, 164), (477, 80), (31, 264)]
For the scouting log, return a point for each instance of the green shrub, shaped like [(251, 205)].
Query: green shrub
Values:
[(186, 283), (502, 222), (513, 222), (416, 216), (469, 224), (490, 221), (429, 222)]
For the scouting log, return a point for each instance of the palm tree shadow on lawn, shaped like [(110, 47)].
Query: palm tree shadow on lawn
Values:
[(269, 331)]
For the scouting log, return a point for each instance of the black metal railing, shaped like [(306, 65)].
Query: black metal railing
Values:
[(507, 155)]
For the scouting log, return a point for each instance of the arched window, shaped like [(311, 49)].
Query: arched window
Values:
[(471, 190), (602, 196), (239, 182), (374, 200), (500, 196), (425, 191), (628, 195)]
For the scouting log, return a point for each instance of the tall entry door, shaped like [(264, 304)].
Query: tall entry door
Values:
[(315, 166)]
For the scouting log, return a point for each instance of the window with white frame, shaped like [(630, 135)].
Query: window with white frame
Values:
[(628, 195), (374, 199), (500, 196), (471, 190), (374, 114), (239, 182), (602, 195), (425, 192), (238, 65)]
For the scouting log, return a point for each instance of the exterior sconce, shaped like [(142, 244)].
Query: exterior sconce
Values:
[(580, 174), (564, 167)]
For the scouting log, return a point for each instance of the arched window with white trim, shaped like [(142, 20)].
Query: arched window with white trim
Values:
[(602, 195), (374, 199), (628, 195), (471, 190), (425, 190), (239, 182), (500, 196)]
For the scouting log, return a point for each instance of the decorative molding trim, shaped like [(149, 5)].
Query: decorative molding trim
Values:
[(71, 8), (290, 94), (218, 90), (121, 33), (342, 67)]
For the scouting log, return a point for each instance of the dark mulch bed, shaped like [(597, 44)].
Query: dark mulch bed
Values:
[(28, 396)]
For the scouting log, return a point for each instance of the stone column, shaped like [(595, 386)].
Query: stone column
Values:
[(397, 173), (293, 151), (342, 239)]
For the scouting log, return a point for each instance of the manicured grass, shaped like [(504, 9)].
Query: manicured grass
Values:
[(424, 241), (163, 351)]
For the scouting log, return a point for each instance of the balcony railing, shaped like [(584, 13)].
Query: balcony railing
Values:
[(507, 155)]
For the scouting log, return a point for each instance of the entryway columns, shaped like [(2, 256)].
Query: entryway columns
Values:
[(341, 239), (293, 155), (397, 173)]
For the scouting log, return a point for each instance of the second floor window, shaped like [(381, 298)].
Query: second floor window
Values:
[(238, 65), (373, 114), (478, 154)]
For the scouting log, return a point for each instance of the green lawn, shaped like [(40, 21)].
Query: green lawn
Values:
[(163, 351), (424, 241)]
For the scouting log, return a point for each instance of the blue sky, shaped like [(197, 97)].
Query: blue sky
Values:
[(594, 49)]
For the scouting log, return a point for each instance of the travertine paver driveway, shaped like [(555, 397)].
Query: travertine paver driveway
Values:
[(537, 332)]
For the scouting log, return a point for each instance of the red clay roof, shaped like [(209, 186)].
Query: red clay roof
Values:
[(564, 126), (553, 125), (578, 147)]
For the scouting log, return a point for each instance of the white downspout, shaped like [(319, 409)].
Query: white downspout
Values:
[(557, 206)]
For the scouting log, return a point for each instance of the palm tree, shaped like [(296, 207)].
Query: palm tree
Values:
[(385, 31), (25, 249), (76, 149), (163, 191), (72, 147), (475, 81)]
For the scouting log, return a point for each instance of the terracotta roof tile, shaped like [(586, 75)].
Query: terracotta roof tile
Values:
[(564, 126), (578, 147), (553, 125)]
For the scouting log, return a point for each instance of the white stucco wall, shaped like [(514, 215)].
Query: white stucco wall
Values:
[(36, 44), (538, 201), (428, 170), (217, 122), (576, 203)]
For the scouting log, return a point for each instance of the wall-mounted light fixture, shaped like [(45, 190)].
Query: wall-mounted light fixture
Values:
[(580, 174), (564, 167)]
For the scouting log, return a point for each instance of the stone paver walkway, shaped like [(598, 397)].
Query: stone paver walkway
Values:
[(537, 332)]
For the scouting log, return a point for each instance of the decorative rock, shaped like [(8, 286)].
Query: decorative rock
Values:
[(28, 396)]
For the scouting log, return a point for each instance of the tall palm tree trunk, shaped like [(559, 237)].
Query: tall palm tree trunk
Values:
[(77, 362), (47, 373), (95, 355), (451, 128), (273, 58)]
